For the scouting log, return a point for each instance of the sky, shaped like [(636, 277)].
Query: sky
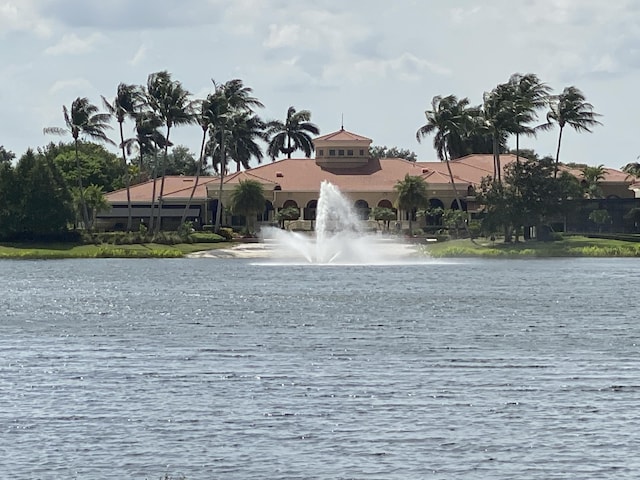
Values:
[(371, 65)]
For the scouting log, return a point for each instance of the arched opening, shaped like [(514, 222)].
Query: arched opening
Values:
[(290, 204), (385, 204), (213, 208), (362, 209), (266, 215), (310, 210), (454, 205), (436, 208)]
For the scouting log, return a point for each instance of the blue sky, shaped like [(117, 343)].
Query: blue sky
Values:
[(377, 63)]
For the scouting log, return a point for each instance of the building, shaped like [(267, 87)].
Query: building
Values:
[(341, 158)]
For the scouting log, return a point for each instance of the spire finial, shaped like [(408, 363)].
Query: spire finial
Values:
[(342, 122)]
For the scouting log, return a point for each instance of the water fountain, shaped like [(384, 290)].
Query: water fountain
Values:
[(339, 237)]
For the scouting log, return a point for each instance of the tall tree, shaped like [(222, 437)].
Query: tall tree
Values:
[(148, 139), (204, 120), (499, 119), (448, 118), (292, 134), (83, 119), (570, 108), (227, 99), (412, 194), (632, 169), (44, 203), (529, 95), (172, 104), (6, 156), (248, 199), (127, 101), (245, 129)]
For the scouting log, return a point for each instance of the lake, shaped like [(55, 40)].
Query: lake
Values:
[(242, 369)]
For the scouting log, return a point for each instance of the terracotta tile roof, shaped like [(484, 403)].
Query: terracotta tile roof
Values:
[(174, 187), (304, 175), (342, 135)]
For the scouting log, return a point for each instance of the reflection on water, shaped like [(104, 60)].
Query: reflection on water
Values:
[(217, 368)]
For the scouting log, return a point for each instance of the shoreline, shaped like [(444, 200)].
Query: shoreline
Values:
[(569, 247)]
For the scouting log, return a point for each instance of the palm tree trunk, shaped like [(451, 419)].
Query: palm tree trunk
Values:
[(496, 156), (223, 163), (555, 170), (162, 174), (195, 185), (289, 146), (153, 192), (517, 148), (455, 192), (127, 178), (83, 203)]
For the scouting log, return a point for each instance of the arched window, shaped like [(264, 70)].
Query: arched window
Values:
[(436, 203), (454, 205), (362, 209), (385, 204), (268, 208), (310, 210)]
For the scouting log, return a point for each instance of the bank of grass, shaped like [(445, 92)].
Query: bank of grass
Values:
[(30, 251), (569, 246)]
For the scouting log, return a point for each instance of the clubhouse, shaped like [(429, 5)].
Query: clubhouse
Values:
[(342, 158)]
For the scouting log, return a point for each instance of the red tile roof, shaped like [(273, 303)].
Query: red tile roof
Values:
[(305, 175), (174, 187), (342, 135)]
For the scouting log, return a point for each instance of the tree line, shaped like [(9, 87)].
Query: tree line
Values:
[(232, 131)]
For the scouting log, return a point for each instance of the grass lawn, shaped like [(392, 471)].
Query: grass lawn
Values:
[(569, 246), (65, 250)]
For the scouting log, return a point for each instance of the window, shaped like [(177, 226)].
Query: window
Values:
[(349, 153), (332, 153), (321, 153), (341, 153), (361, 153)]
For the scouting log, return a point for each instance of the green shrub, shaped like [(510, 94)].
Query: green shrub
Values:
[(226, 233), (167, 238), (206, 237)]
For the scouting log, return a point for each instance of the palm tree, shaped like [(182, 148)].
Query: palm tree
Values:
[(205, 124), (529, 95), (245, 129), (499, 117), (412, 194), (148, 139), (292, 135), (570, 108), (592, 178), (248, 199), (632, 169), (125, 104), (83, 118), (227, 99), (171, 102), (449, 118)]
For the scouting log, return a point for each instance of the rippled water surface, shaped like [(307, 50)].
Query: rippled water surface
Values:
[(216, 369)]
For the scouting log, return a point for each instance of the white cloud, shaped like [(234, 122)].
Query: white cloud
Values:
[(76, 85), (139, 55), (406, 67), (22, 15), (72, 44)]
